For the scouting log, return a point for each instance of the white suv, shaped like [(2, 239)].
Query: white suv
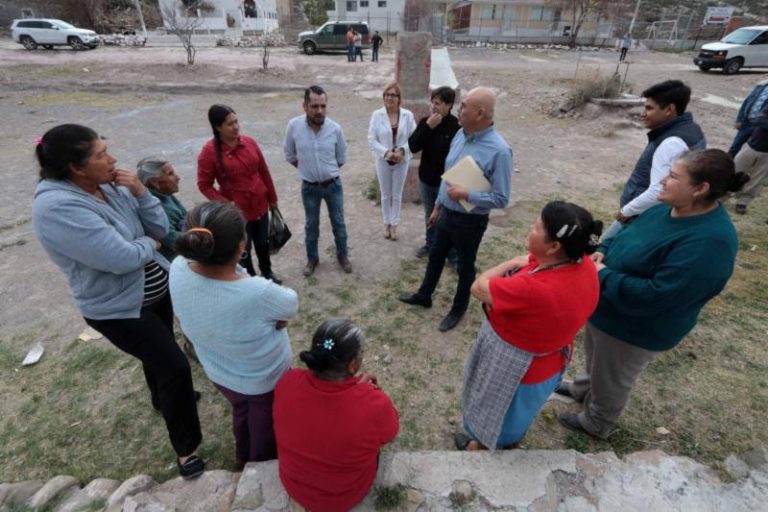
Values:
[(49, 33)]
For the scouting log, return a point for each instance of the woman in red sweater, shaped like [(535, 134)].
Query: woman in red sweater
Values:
[(534, 307), (236, 164), (331, 422)]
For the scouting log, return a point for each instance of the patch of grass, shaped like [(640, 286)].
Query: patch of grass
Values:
[(86, 99), (591, 84), (388, 497)]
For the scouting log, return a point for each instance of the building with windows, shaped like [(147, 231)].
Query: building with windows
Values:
[(531, 20), (236, 17), (383, 15)]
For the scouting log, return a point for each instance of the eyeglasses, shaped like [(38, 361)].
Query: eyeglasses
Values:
[(391, 95)]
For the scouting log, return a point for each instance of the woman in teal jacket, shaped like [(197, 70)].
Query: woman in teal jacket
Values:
[(655, 276)]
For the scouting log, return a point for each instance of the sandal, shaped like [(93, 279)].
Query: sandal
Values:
[(461, 441), (193, 467)]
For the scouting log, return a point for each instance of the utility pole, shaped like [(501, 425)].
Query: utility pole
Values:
[(634, 17), (141, 19)]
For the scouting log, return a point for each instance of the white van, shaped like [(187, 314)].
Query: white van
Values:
[(49, 33), (746, 47)]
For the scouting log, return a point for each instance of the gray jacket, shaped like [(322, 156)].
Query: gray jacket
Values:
[(102, 248)]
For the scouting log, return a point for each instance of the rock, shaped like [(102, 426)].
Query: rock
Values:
[(249, 495), (133, 485), (462, 493), (662, 431), (387, 359), (756, 458), (413, 500), (93, 494), (735, 467), (56, 487), (211, 492), (576, 504), (13, 495)]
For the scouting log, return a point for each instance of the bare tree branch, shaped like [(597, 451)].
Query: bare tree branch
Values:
[(183, 17)]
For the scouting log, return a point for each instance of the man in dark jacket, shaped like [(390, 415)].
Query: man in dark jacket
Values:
[(751, 113), (433, 137), (672, 132)]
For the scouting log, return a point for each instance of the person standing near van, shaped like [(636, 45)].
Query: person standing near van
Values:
[(376, 42), (350, 44), (358, 42), (751, 114)]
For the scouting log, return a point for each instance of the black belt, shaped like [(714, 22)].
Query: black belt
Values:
[(320, 183)]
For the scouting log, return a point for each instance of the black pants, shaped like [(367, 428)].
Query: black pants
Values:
[(462, 231), (169, 378), (258, 236), (623, 54)]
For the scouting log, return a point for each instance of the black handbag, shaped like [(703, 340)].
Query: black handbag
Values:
[(279, 233)]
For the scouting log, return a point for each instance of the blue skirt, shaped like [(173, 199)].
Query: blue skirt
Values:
[(526, 404)]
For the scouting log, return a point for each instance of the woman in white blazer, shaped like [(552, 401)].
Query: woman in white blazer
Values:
[(388, 140)]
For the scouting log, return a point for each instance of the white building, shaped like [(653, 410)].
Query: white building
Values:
[(382, 15), (246, 17)]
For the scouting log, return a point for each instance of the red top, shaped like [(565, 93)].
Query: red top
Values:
[(329, 434), (543, 311), (243, 176)]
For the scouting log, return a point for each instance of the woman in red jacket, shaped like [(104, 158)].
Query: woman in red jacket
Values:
[(235, 163), (534, 306), (331, 422)]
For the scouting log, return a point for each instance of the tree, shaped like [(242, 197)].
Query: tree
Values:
[(579, 11), (183, 17)]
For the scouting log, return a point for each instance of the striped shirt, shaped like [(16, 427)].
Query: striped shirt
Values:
[(155, 283)]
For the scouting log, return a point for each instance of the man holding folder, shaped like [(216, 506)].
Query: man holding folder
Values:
[(461, 211)]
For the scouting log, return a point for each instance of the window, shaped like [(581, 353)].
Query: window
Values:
[(536, 13), (382, 3), (351, 5), (761, 39), (363, 3)]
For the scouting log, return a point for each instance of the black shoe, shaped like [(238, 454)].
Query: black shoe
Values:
[(741, 209), (450, 321), (415, 300), (422, 252), (571, 421), (461, 441), (192, 468), (564, 389), (273, 277)]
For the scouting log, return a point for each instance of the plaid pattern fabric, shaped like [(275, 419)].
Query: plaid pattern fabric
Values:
[(492, 373)]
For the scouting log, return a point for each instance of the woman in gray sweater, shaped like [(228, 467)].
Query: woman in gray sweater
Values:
[(102, 227)]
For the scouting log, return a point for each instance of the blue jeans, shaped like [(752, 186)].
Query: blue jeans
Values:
[(462, 231), (350, 52), (311, 196), (374, 53)]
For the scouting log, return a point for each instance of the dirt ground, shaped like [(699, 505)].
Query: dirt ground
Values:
[(146, 102)]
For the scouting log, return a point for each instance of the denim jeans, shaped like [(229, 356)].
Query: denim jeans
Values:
[(374, 54), (462, 231), (311, 196), (350, 52)]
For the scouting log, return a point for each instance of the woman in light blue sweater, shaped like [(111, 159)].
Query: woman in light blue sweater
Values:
[(102, 227), (236, 322)]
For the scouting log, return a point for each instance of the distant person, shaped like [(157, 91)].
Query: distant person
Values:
[(350, 44), (331, 422), (236, 322), (160, 178), (236, 164), (534, 306), (752, 160), (456, 226), (655, 277), (752, 113), (315, 145), (388, 134), (433, 136), (672, 131), (626, 44), (102, 228), (358, 42), (376, 42)]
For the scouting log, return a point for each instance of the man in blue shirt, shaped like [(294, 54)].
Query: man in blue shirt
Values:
[(315, 145), (457, 227)]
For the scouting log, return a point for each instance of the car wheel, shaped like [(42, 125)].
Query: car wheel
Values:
[(309, 47), (76, 43), (704, 68), (28, 42), (732, 66)]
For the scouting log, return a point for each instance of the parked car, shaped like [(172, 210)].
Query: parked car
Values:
[(332, 36), (746, 47), (49, 33)]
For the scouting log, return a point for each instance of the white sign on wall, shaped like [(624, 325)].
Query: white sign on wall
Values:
[(718, 15)]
